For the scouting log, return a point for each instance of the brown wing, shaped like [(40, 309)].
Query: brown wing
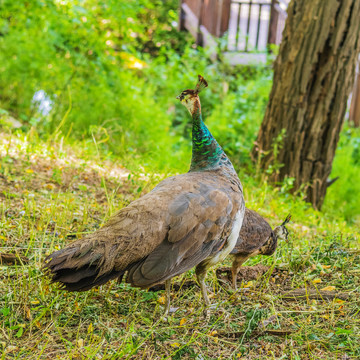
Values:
[(169, 230), (199, 223), (254, 233)]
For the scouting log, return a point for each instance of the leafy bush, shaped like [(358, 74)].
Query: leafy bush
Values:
[(73, 53), (109, 72)]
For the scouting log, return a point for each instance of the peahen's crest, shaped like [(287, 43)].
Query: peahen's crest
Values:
[(288, 218), (186, 95), (201, 85)]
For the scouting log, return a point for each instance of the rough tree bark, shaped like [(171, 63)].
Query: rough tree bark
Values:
[(313, 76)]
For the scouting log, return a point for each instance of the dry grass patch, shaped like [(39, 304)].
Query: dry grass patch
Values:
[(48, 200)]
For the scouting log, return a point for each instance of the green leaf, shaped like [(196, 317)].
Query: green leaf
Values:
[(5, 311), (20, 332), (313, 337)]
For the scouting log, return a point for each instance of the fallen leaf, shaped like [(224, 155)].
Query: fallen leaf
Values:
[(316, 281), (12, 259), (326, 266), (80, 343), (249, 284), (279, 332), (182, 321), (214, 338), (268, 321), (29, 171), (175, 345), (35, 302), (90, 328), (10, 349), (161, 300), (27, 313), (328, 288)]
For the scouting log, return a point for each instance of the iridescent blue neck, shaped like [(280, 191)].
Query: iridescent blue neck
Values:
[(207, 154)]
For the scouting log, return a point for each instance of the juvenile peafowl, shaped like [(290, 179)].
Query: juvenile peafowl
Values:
[(256, 238), (187, 220)]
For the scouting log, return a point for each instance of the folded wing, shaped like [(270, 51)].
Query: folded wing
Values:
[(164, 233)]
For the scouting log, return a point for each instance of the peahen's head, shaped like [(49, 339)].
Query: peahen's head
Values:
[(281, 232), (190, 99)]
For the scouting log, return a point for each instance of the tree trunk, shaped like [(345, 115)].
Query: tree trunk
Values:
[(313, 76)]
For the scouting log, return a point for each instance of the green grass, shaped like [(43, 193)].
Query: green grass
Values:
[(52, 193), (341, 196)]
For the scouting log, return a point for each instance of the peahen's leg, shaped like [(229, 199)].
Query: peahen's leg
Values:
[(238, 261), (201, 275), (167, 297)]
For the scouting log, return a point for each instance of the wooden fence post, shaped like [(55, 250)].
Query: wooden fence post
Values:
[(273, 23), (181, 17), (199, 37), (225, 17)]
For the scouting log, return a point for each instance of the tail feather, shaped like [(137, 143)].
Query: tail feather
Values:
[(80, 267), (84, 282), (71, 276)]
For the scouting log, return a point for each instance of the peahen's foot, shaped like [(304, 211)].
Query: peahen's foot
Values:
[(164, 318), (207, 314)]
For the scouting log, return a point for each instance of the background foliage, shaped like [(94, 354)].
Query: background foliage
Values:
[(111, 71)]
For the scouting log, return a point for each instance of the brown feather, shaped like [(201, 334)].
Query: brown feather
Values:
[(255, 237), (179, 223), (254, 233)]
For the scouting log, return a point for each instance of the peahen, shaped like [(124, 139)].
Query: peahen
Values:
[(187, 220), (256, 238)]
